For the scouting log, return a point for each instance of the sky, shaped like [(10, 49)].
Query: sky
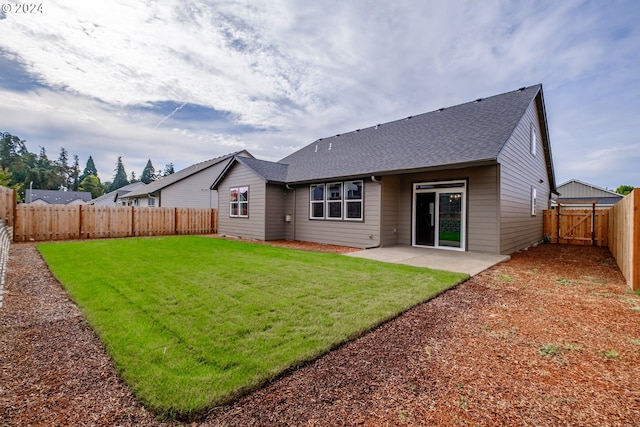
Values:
[(185, 81)]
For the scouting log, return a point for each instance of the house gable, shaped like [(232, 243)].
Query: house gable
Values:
[(526, 181), (579, 189), (238, 175), (189, 187)]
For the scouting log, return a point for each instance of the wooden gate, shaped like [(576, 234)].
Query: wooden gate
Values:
[(577, 226)]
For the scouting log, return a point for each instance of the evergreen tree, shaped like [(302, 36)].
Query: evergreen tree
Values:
[(45, 174), (64, 170), (120, 178), (90, 169), (75, 173), (168, 169), (148, 173), (133, 178)]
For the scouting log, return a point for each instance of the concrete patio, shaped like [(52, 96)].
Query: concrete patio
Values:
[(470, 263)]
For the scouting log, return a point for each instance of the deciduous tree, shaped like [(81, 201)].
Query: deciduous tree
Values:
[(624, 189)]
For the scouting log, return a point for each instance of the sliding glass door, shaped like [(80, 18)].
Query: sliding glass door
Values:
[(439, 216)]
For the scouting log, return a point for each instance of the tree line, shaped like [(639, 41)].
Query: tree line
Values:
[(21, 169)]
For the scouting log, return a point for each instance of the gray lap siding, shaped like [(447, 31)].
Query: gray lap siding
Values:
[(252, 227), (520, 171), (193, 191), (482, 205), (360, 234)]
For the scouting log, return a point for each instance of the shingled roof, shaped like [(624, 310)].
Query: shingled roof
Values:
[(168, 180), (468, 134)]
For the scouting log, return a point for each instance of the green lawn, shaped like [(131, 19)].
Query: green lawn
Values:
[(193, 322)]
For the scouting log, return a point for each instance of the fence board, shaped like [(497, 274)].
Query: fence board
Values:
[(46, 222), (624, 240), (7, 205), (64, 222)]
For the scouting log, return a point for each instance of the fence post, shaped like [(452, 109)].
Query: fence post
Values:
[(14, 212), (593, 224), (175, 221), (635, 241)]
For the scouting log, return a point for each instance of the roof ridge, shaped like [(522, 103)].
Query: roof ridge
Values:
[(378, 125)]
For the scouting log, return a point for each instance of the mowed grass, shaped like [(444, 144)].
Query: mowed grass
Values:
[(194, 322)]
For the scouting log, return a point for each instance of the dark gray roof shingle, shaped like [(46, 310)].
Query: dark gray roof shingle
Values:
[(56, 197), (269, 171), (468, 133)]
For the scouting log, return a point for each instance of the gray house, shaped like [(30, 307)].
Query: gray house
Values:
[(187, 188), (472, 177), (115, 197), (582, 195)]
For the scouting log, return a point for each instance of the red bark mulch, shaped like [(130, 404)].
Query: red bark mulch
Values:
[(549, 338)]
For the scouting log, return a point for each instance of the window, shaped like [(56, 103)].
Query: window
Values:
[(533, 201), (151, 202), (534, 140), (317, 201), (239, 202), (340, 201), (334, 201), (353, 204)]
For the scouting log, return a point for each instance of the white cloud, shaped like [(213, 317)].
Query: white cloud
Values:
[(298, 70)]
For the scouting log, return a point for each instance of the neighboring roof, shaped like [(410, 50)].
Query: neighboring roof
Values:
[(473, 133), (168, 180), (589, 189), (589, 200), (113, 195), (56, 197)]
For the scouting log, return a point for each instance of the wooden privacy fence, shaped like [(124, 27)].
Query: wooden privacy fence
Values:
[(66, 222), (7, 205), (624, 237), (577, 226)]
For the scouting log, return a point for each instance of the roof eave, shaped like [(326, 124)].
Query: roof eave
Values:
[(451, 166), (542, 117)]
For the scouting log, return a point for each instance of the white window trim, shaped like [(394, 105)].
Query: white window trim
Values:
[(534, 196), (533, 140), (337, 201), (347, 201), (238, 202), (313, 202), (442, 187), (343, 201)]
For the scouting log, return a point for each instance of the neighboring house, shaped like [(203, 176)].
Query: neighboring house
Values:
[(472, 177), (57, 197), (116, 197), (581, 195), (187, 188)]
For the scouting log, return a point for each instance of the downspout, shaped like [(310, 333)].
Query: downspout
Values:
[(293, 236), (379, 182)]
